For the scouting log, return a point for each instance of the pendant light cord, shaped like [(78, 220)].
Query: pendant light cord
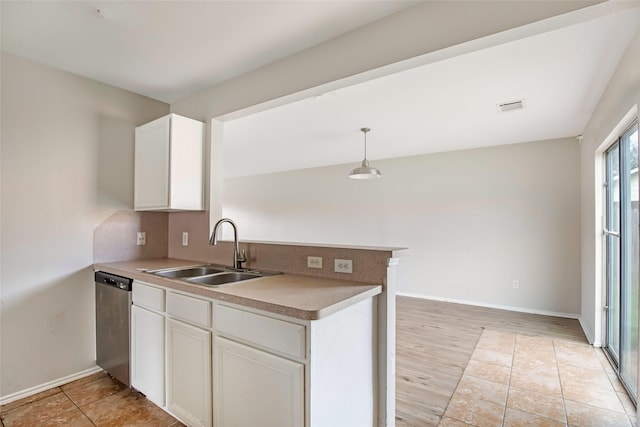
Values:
[(365, 130), (365, 145)]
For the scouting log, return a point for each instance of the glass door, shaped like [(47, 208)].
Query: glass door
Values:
[(612, 236), (622, 256)]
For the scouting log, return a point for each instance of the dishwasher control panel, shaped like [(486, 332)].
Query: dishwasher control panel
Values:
[(119, 282)]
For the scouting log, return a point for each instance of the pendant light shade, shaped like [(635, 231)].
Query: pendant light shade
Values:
[(365, 171)]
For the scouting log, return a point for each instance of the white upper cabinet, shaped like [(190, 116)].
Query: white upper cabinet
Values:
[(169, 165)]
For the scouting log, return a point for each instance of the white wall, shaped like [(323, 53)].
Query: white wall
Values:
[(418, 35), (474, 220), (67, 164), (621, 95)]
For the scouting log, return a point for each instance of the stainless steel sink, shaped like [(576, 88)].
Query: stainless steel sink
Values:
[(186, 272), (223, 278), (210, 275)]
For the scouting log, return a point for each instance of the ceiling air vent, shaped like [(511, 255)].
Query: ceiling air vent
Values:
[(511, 106)]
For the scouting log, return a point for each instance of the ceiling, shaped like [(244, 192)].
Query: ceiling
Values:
[(443, 106), (167, 50), (170, 49)]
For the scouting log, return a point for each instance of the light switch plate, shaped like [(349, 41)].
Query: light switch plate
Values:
[(185, 238)]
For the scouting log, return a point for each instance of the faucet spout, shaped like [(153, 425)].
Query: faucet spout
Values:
[(238, 257)]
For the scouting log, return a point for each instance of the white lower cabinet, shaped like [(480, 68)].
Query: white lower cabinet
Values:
[(213, 363), (189, 373), (256, 388), (147, 353), (272, 371)]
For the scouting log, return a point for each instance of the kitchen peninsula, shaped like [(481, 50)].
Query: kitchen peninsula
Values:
[(298, 349)]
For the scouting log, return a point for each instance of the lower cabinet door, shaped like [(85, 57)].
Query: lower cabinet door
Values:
[(147, 354), (256, 388), (189, 373)]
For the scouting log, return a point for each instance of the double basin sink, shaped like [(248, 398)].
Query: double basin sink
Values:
[(210, 274)]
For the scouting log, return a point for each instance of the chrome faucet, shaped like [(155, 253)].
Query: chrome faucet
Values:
[(238, 257)]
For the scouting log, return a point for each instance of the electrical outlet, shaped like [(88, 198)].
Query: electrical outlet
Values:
[(516, 284), (343, 266), (141, 238), (185, 238), (314, 261)]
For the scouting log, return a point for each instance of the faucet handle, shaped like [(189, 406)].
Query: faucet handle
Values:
[(239, 258)]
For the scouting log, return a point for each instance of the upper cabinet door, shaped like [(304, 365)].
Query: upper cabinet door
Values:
[(151, 185), (169, 164)]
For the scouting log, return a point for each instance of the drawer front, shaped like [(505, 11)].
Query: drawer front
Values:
[(191, 309), (278, 335), (148, 296)]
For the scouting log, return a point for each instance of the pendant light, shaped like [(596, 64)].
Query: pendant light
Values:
[(365, 171)]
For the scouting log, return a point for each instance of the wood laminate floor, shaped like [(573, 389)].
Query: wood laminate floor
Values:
[(456, 365), (515, 356)]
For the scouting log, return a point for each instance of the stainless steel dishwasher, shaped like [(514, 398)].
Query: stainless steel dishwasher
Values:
[(113, 315)]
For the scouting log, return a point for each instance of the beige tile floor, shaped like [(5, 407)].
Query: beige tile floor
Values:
[(511, 379), (96, 400), (519, 380)]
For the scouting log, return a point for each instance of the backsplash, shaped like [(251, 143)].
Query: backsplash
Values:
[(369, 265), (115, 239)]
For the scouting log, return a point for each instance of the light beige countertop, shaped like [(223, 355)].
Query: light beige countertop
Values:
[(298, 296)]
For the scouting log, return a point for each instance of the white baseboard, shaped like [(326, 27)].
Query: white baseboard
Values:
[(587, 334), (46, 386), (497, 306)]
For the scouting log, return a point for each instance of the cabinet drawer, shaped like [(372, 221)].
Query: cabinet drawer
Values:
[(192, 310), (148, 296), (278, 335)]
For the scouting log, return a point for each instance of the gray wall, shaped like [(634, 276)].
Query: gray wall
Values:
[(67, 165), (621, 95), (422, 34), (474, 220)]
